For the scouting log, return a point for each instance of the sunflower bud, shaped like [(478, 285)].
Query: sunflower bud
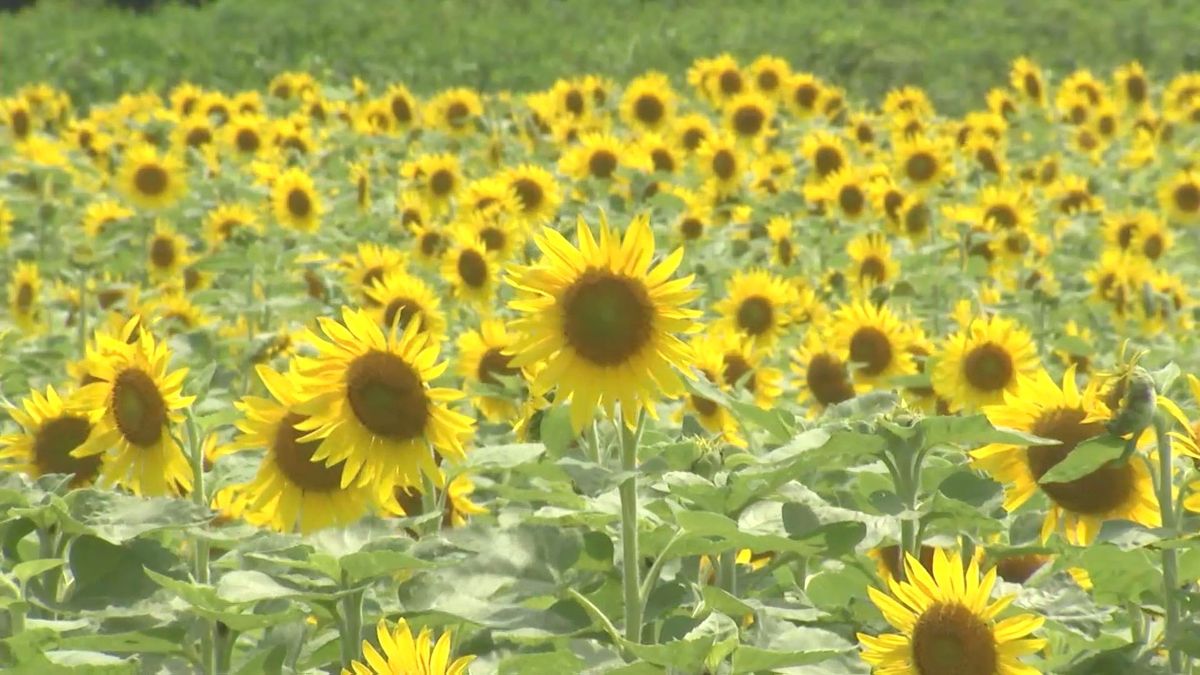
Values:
[(1137, 403)]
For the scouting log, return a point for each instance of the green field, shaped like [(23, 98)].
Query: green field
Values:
[(957, 50)]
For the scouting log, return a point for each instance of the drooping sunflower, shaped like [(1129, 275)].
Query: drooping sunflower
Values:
[(400, 298), (875, 341), (1151, 238), (603, 320), (133, 402), (1119, 490), (872, 262), (24, 296), (167, 253), (648, 103), (404, 654), (173, 313), (483, 357), (923, 162), (1180, 197), (100, 214), (983, 360), (150, 180), (757, 305), (948, 624), (369, 264), (291, 490), (537, 192), (824, 374), (412, 211), (228, 221), (1072, 195), (51, 428), (455, 111), (369, 402), (295, 201), (472, 271)]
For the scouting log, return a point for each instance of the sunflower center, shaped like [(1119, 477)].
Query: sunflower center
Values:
[(387, 396), (873, 270), (1125, 234), (1153, 247), (294, 459), (872, 348), (692, 138), (298, 203), (756, 315), (851, 199), (1100, 491), (892, 201), (150, 180), (472, 268), (784, 250), (607, 318), (1187, 198), (198, 136), (495, 363), (314, 285), (730, 82), (401, 109), (1135, 88), (109, 297), (737, 367), (602, 164), (530, 193), (806, 96), (431, 243), (916, 219), (24, 296), (828, 380), (663, 161), (950, 639), (1017, 569), (493, 238), (1001, 214), (988, 367), (691, 227), (1033, 86), (162, 252), (52, 446), (768, 80), (706, 407), (649, 109), (574, 102), (827, 160), (921, 167), (457, 113), (400, 311), (441, 182), (138, 407), (748, 120), (723, 164), (20, 123)]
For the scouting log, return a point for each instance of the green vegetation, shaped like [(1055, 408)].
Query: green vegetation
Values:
[(954, 49)]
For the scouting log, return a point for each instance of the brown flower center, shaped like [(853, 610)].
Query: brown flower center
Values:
[(756, 315), (749, 120), (851, 200), (602, 164), (1098, 492), (400, 311), (495, 363), (871, 347), (138, 407), (988, 367), (401, 109), (737, 367), (472, 268), (24, 296), (162, 252), (387, 396), (724, 165), (299, 204), (950, 639), (921, 167), (530, 192), (649, 109), (52, 446), (294, 459), (607, 318), (826, 160), (828, 380), (1187, 197), (150, 180)]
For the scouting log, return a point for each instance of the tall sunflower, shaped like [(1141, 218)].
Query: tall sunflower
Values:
[(149, 180), (875, 341), (483, 358), (291, 490), (369, 402), (133, 401), (295, 201), (758, 305), (597, 156), (1119, 490), (948, 624), (603, 320), (399, 298), (404, 654), (51, 428), (983, 360)]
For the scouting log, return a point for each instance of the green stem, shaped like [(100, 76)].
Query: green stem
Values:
[(728, 572), (351, 606), (225, 640), (83, 314), (631, 565), (1137, 625), (48, 548), (200, 544), (656, 569), (1166, 505)]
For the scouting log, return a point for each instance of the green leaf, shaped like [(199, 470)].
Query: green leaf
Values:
[(796, 646), (538, 664), (29, 569), (117, 518), (556, 431), (498, 457), (250, 586), (107, 574), (1084, 459), (365, 565)]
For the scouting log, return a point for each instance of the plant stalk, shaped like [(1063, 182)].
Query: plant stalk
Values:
[(1170, 561), (351, 607), (631, 564), (200, 544)]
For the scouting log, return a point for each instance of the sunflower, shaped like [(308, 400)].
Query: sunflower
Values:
[(295, 201), (369, 402), (24, 295), (846, 189), (400, 298), (149, 180), (922, 162), (490, 196), (192, 133), (483, 358), (723, 162), (907, 100), (803, 93), (597, 156), (429, 243), (472, 272), (439, 178), (875, 341), (402, 106), (412, 210), (228, 221), (455, 111), (1119, 490), (367, 266), (946, 624), (166, 253), (729, 362), (18, 117), (571, 98), (824, 374), (826, 154), (360, 177), (769, 75), (1151, 238), (1132, 84), (501, 236), (404, 654), (537, 193), (758, 305), (690, 131), (291, 490), (603, 320), (987, 155), (648, 103), (748, 116), (1003, 208), (1027, 79), (872, 262), (1072, 195), (983, 360), (133, 402), (173, 313), (51, 428), (1117, 278), (1180, 197)]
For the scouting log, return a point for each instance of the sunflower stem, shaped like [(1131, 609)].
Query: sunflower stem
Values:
[(728, 578), (1166, 504), (351, 611), (629, 530), (82, 314), (200, 544)]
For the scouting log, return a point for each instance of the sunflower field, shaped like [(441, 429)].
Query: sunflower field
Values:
[(712, 371)]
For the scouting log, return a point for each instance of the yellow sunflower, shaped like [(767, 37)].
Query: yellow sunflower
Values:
[(244, 134), (24, 296), (757, 305), (690, 131), (722, 162), (51, 428), (404, 654), (483, 357), (291, 490), (438, 176), (826, 154), (500, 234), (1132, 84), (399, 298), (603, 320), (1027, 79), (429, 243), (872, 262), (922, 162), (846, 189), (149, 180), (1119, 490), (455, 111), (648, 103), (982, 361), (472, 272), (948, 624), (748, 116), (173, 313), (295, 201), (537, 192), (875, 341), (1180, 197), (229, 221), (367, 266), (133, 401), (369, 402), (402, 106), (490, 196), (729, 362), (166, 253), (412, 210), (99, 215), (803, 93), (597, 156)]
